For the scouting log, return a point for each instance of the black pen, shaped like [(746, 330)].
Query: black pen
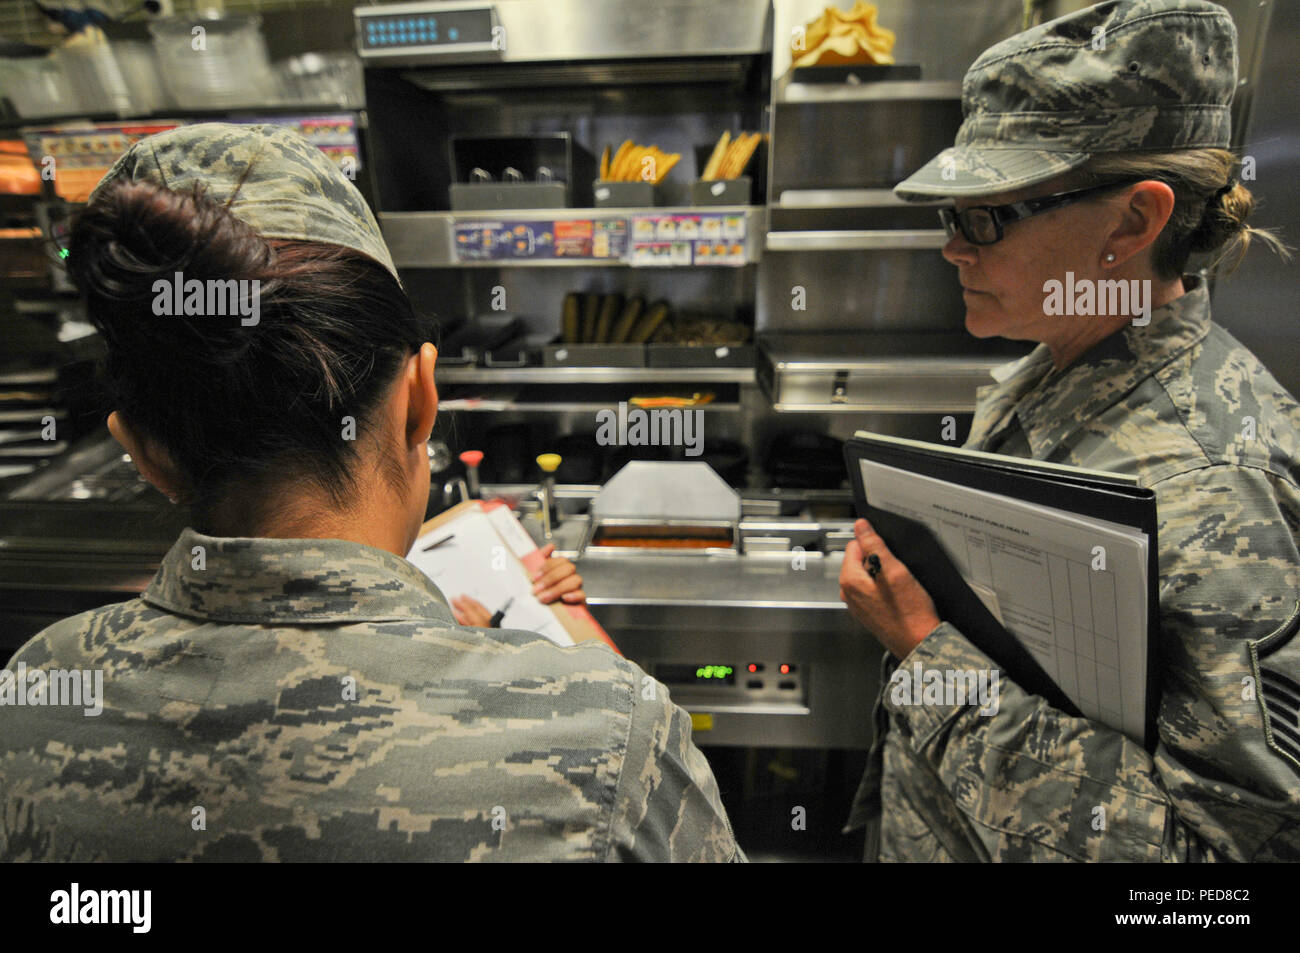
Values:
[(435, 545), (500, 614)]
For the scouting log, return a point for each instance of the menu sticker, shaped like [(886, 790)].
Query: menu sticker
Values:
[(575, 238), (671, 240)]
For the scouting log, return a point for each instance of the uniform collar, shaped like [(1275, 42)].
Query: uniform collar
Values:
[(295, 581), (1051, 405)]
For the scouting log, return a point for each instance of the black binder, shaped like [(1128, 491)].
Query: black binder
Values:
[(1096, 494)]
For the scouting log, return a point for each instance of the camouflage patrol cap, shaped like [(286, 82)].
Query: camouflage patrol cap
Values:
[(283, 186), (1120, 76)]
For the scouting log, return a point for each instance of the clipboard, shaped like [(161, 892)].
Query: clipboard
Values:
[(1115, 498), (577, 621)]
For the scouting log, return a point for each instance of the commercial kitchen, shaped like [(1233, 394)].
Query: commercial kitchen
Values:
[(656, 371)]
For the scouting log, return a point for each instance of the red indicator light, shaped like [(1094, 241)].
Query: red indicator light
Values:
[(785, 669), (753, 667)]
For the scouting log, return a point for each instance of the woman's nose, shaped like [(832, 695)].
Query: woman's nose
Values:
[(958, 251)]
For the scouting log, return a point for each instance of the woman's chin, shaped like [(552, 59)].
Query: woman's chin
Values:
[(981, 325)]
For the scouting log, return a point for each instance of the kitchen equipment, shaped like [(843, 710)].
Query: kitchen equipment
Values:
[(138, 62), (439, 456), (805, 459), (37, 87), (543, 171), (675, 508), (594, 355), (549, 462), (722, 179), (737, 191), (471, 459), (853, 371), (624, 194), (223, 64), (317, 78), (88, 60), (481, 334)]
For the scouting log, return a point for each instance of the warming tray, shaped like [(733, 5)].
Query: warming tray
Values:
[(874, 372)]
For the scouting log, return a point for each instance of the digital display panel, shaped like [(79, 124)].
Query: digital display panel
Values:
[(696, 674), (447, 28)]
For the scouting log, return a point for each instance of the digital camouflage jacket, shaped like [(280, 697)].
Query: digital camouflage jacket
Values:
[(314, 700), (1183, 406)]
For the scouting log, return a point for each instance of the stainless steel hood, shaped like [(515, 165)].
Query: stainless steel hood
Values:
[(566, 42)]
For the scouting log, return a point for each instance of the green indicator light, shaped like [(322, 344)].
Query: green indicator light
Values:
[(713, 671), (63, 253)]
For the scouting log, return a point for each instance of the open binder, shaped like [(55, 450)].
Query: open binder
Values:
[(1065, 561)]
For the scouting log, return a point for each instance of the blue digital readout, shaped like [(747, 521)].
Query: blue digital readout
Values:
[(463, 26)]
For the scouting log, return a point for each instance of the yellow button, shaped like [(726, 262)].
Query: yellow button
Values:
[(550, 462), (701, 721)]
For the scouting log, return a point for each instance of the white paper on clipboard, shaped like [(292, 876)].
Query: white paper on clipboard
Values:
[(1034, 568), (483, 563)]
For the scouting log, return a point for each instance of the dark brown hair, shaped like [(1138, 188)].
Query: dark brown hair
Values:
[(240, 408)]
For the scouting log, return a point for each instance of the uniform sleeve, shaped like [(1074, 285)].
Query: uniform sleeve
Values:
[(1036, 783), (667, 803)]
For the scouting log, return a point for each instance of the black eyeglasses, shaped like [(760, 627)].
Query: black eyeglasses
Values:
[(982, 224)]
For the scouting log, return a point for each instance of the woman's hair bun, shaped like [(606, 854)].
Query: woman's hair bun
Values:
[(237, 393), (136, 235), (1225, 218)]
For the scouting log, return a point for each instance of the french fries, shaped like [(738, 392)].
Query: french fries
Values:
[(729, 157), (715, 158), (629, 164)]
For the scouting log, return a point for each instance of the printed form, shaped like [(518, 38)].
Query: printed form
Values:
[(1033, 567), (482, 561)]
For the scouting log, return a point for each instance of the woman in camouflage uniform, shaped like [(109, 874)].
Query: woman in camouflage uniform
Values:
[(1093, 149), (289, 687)]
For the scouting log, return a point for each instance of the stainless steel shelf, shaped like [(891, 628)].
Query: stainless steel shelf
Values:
[(787, 92), (842, 372), (595, 375), (845, 198), (886, 405), (854, 240)]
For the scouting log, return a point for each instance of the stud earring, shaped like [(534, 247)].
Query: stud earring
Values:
[(1110, 256)]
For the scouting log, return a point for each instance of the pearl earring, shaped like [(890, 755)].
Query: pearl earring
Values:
[(1110, 256)]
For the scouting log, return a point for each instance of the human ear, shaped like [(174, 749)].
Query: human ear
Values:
[(421, 396), (1146, 210), (150, 460)]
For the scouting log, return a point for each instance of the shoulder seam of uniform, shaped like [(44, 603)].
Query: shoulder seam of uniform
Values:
[(1228, 465), (1157, 376), (624, 669)]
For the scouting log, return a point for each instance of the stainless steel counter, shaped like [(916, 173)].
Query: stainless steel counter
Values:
[(675, 615), (752, 582)]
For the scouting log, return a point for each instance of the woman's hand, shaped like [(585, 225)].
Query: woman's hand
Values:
[(893, 606), (558, 579), (470, 612)]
